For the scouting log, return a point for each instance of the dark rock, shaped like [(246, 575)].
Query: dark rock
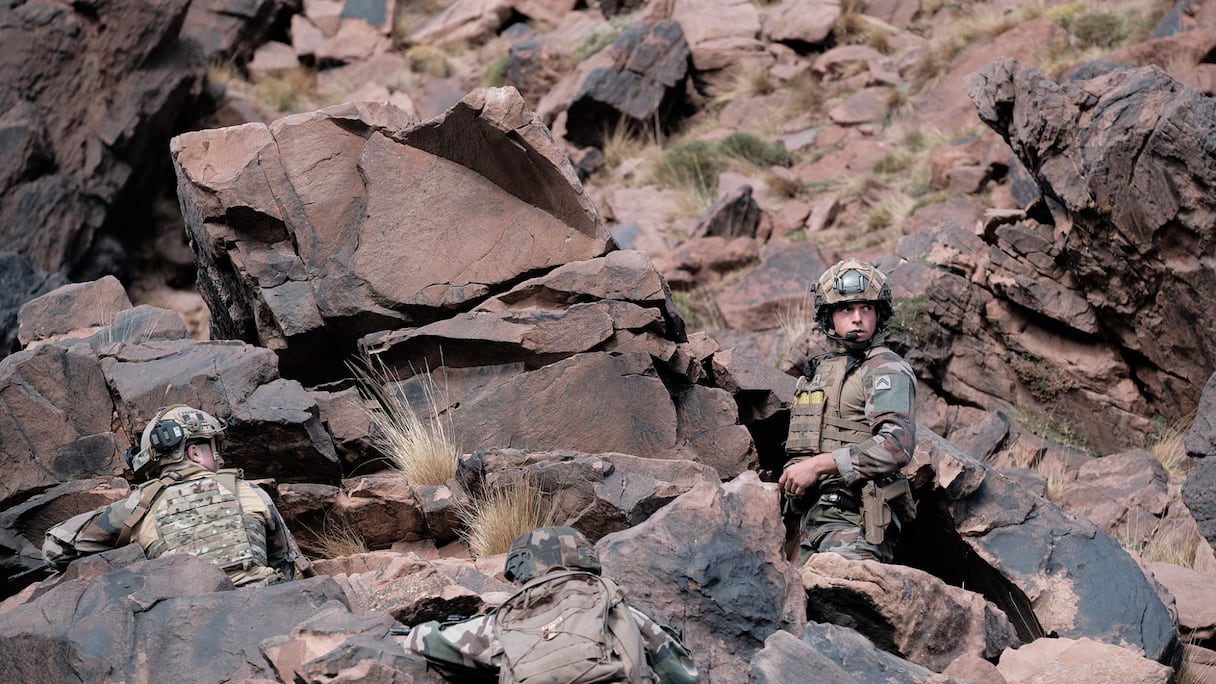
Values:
[(270, 417), (734, 215), (55, 413), (644, 84), (77, 174), (20, 282), (864, 661), (70, 631), (1130, 196), (710, 537)]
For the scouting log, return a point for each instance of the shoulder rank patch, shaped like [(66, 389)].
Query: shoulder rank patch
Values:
[(882, 382)]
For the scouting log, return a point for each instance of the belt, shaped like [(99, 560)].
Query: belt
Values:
[(840, 500)]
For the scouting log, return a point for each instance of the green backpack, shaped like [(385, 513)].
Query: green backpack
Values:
[(570, 627)]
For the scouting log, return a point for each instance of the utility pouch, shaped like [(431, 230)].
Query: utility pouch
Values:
[(875, 514), (806, 421), (898, 495)]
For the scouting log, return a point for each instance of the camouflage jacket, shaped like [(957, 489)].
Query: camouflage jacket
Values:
[(467, 651), (100, 529), (879, 390)]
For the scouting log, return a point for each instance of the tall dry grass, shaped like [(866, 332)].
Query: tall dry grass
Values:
[(494, 517), (418, 441), (337, 537)]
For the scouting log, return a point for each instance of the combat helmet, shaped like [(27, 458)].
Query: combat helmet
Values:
[(850, 281), (544, 549), (167, 435)]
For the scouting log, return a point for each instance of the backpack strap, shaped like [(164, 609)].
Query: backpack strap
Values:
[(147, 497)]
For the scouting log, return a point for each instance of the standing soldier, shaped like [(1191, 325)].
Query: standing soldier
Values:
[(190, 504), (852, 425)]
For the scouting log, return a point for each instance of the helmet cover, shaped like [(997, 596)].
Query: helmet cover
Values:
[(545, 549), (850, 281), (166, 436)]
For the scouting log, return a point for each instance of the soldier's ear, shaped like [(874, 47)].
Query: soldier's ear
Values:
[(192, 452)]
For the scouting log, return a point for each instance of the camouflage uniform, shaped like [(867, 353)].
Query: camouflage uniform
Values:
[(868, 426), (467, 650), (197, 514)]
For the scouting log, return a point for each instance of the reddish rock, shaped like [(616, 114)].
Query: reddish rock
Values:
[(759, 298), (926, 620), (1067, 661), (341, 275), (807, 22), (1192, 592)]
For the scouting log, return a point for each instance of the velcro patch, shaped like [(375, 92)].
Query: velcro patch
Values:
[(893, 393)]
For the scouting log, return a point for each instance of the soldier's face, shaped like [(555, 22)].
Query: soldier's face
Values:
[(855, 321)]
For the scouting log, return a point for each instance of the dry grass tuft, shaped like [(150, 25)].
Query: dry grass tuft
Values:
[(495, 517), (1056, 475), (418, 442), (287, 92), (428, 60), (1166, 445), (337, 537)]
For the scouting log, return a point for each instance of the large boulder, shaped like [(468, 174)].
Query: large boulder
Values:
[(905, 611), (298, 226), (683, 564), (1048, 571), (1110, 251), (71, 630)]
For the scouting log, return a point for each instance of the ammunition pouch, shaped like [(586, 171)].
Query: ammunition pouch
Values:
[(806, 420), (877, 502)]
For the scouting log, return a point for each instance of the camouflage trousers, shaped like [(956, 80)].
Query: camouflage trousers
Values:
[(828, 529)]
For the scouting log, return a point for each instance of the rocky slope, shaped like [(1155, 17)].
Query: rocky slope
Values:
[(621, 341)]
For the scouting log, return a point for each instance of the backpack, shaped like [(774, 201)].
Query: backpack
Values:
[(570, 627)]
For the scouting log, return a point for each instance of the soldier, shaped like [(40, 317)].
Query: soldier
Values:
[(852, 425), (473, 650), (190, 505)]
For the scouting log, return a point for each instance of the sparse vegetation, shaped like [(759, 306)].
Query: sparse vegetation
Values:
[(285, 92), (599, 37), (755, 151), (1049, 426), (496, 73), (429, 60), (1165, 443), (418, 441), (692, 167), (1043, 379), (698, 309), (909, 320), (337, 537), (493, 518)]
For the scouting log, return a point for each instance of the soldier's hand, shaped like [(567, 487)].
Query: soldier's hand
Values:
[(800, 476)]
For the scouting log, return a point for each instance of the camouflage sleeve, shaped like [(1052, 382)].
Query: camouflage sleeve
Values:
[(665, 653), (282, 552), (87, 533), (890, 391), (459, 647)]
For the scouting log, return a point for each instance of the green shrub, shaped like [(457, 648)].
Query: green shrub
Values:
[(692, 166), (755, 151)]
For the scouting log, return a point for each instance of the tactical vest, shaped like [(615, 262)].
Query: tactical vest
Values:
[(816, 425), (203, 517)]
